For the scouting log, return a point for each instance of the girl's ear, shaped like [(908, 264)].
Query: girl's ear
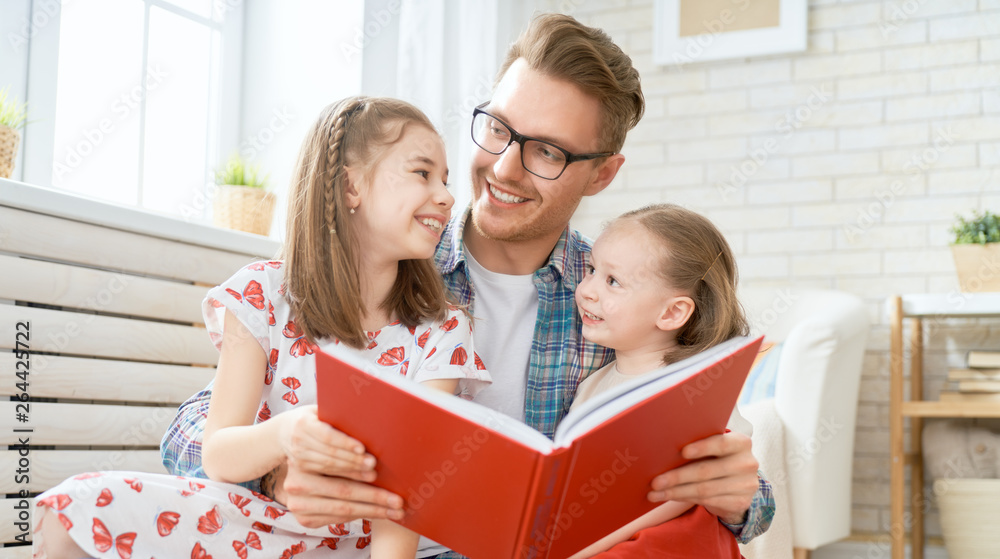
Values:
[(675, 314), (352, 192)]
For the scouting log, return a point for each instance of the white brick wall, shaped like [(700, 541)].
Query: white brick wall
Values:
[(855, 192)]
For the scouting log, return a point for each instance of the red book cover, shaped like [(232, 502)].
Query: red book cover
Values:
[(488, 486)]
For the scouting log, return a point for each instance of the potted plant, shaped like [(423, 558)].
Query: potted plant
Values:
[(12, 117), (241, 200), (976, 251)]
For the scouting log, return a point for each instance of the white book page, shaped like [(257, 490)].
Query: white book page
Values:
[(610, 403), (472, 411)]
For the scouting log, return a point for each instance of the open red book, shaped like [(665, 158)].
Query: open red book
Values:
[(488, 486)]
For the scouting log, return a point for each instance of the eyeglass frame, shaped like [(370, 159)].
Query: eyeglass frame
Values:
[(520, 139)]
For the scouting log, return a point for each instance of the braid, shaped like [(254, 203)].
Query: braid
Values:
[(335, 160)]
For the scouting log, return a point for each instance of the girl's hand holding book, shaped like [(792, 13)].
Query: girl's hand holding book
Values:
[(314, 446)]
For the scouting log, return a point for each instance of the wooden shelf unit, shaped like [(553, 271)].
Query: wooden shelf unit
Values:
[(916, 308)]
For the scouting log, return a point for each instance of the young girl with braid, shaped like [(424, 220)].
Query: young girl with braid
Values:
[(660, 286), (367, 205)]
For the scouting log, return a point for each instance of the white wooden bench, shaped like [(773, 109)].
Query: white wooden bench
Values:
[(107, 302)]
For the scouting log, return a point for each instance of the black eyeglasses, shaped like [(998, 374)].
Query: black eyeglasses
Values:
[(538, 157)]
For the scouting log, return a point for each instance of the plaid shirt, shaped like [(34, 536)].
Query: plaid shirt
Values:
[(560, 359)]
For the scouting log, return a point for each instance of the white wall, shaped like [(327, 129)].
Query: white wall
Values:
[(904, 134), (295, 63)]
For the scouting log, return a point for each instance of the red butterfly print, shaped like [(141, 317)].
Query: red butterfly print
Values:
[(262, 497), (195, 487), (293, 551), (272, 366), (103, 540), (431, 352), (134, 484), (412, 329), (105, 498), (459, 356), (88, 475), (264, 414), (404, 367), (449, 324), (392, 357), (210, 522), (366, 526), (253, 294), (260, 526), (282, 289), (58, 502), (371, 338), (166, 521), (65, 521), (276, 264), (293, 383), (479, 362), (253, 540), (256, 266), (270, 314), (422, 340), (197, 552), (338, 529), (274, 513), (329, 542), (301, 346), (240, 502), (363, 542)]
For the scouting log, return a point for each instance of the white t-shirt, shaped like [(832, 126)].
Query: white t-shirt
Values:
[(504, 315)]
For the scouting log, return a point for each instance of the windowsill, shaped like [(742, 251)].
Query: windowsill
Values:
[(90, 210)]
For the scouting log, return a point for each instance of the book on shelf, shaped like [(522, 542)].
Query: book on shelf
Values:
[(979, 386), (970, 397), (983, 359), (488, 486), (957, 375)]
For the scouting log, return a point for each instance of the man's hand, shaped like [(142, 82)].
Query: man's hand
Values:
[(723, 479), (317, 500)]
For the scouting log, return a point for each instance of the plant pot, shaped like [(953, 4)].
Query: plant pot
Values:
[(243, 208), (969, 509), (978, 267), (9, 138)]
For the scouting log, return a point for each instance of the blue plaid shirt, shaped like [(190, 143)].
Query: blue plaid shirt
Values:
[(560, 359)]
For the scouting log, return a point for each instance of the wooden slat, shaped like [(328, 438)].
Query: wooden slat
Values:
[(51, 467), (103, 336), (897, 450), (8, 516), (951, 409), (86, 424), (97, 290), (54, 238), (102, 379)]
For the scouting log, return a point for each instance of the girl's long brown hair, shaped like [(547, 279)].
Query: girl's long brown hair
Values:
[(321, 245), (696, 259)]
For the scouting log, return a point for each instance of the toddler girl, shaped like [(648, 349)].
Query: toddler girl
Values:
[(660, 287)]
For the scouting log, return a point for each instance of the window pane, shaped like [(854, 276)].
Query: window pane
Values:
[(97, 100), (177, 112), (200, 7)]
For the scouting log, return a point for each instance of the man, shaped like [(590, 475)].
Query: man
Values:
[(565, 97)]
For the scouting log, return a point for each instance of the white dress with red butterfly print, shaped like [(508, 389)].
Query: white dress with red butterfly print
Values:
[(126, 514)]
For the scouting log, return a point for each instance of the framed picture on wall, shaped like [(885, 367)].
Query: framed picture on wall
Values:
[(690, 31)]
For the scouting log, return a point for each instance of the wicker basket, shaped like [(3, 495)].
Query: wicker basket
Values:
[(9, 138), (969, 512), (976, 266), (243, 208)]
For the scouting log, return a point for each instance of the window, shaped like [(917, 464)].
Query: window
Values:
[(139, 98)]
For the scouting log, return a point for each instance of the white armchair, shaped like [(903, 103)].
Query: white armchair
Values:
[(804, 436)]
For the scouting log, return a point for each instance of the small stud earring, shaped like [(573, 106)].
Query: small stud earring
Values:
[(352, 211)]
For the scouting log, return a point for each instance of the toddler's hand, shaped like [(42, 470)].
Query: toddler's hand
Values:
[(314, 446)]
